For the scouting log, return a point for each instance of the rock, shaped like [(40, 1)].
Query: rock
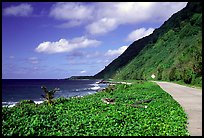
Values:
[(143, 101), (139, 106), (108, 100)]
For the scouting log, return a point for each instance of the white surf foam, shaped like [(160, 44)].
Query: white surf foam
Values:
[(12, 104), (38, 102), (95, 88), (9, 104)]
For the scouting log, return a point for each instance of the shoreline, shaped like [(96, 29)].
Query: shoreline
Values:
[(111, 82), (94, 90)]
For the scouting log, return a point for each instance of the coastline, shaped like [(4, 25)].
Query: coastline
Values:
[(87, 115), (93, 87)]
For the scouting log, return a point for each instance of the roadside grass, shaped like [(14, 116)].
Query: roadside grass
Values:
[(90, 116), (182, 83), (197, 86)]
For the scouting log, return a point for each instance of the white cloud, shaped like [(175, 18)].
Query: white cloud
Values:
[(108, 16), (11, 57), (33, 60), (70, 10), (139, 33), (83, 71), (122, 12), (64, 45), (164, 10), (20, 10), (103, 17), (102, 26), (116, 52)]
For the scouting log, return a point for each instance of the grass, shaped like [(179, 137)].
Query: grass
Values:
[(197, 86), (189, 85), (89, 116)]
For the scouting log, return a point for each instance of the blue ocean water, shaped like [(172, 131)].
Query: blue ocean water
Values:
[(14, 90)]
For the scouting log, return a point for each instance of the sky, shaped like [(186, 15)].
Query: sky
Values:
[(56, 40)]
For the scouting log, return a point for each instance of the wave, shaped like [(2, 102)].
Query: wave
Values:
[(96, 87), (91, 89), (11, 104), (38, 102), (94, 84)]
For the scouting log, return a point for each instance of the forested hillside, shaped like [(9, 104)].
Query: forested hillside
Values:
[(172, 52)]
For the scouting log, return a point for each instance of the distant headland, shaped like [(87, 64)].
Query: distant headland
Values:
[(80, 77)]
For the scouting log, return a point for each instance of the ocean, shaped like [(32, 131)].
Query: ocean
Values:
[(14, 90)]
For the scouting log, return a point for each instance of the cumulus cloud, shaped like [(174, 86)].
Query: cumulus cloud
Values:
[(70, 10), (64, 45), (106, 20), (20, 10), (139, 33), (116, 52), (102, 26), (104, 17)]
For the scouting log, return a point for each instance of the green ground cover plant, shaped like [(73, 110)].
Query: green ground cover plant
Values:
[(90, 116)]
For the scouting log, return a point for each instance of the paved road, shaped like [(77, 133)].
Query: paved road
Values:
[(191, 100)]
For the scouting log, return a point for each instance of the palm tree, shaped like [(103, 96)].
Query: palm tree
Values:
[(49, 95)]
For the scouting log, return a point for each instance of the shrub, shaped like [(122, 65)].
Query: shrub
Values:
[(49, 95), (172, 74), (24, 102), (159, 73), (187, 76)]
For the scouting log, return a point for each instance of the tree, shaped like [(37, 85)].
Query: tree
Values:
[(49, 95), (159, 72)]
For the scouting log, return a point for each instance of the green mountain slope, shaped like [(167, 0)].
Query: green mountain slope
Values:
[(171, 52)]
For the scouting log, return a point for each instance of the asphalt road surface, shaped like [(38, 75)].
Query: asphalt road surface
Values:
[(191, 101)]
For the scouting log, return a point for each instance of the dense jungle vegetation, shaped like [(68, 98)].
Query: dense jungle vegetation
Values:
[(172, 52)]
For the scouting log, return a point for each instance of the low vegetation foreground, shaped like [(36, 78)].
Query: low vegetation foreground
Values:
[(140, 109)]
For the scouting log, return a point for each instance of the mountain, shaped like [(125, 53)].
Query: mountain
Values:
[(172, 52)]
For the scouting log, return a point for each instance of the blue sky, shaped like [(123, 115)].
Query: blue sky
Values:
[(54, 40)]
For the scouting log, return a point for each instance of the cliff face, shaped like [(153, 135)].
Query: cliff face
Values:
[(171, 52)]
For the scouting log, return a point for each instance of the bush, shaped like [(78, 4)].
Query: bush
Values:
[(22, 102), (159, 73), (187, 76), (172, 74)]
